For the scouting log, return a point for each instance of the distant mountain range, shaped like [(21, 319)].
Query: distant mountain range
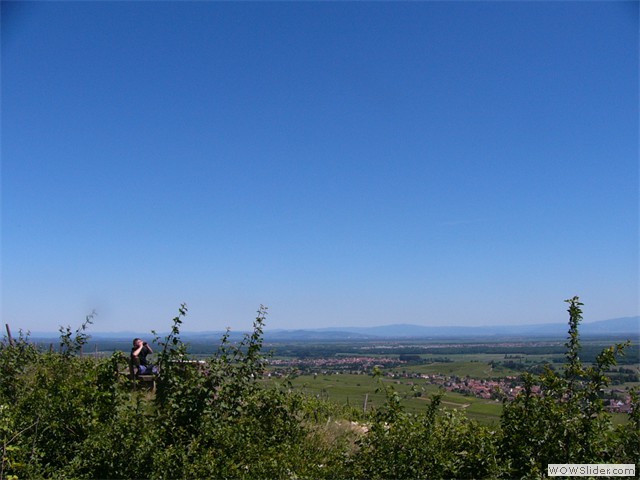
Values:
[(628, 327)]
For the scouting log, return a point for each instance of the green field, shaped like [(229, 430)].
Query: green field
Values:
[(363, 390), (462, 368), (355, 390)]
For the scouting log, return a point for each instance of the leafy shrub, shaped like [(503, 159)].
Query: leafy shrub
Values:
[(432, 444), (63, 415), (560, 417)]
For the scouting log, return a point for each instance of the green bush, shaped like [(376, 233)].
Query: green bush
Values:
[(432, 444), (63, 415), (560, 417)]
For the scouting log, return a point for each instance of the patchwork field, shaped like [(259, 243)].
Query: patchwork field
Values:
[(364, 391), (357, 387)]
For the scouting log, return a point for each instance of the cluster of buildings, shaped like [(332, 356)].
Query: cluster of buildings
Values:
[(507, 388), (488, 389), (621, 403), (499, 389), (335, 364)]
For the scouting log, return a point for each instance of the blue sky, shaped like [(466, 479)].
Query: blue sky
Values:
[(435, 163)]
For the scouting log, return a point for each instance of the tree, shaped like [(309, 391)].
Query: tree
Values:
[(560, 417)]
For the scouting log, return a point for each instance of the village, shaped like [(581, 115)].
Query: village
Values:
[(498, 389)]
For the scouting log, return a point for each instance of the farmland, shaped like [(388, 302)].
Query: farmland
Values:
[(471, 380), (364, 391)]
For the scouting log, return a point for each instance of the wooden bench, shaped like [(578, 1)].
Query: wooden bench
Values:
[(146, 380)]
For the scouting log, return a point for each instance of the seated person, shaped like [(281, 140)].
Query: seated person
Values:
[(139, 354)]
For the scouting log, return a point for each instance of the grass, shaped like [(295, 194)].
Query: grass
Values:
[(473, 369), (364, 391), (355, 390)]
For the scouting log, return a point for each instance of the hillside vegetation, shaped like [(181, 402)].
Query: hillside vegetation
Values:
[(63, 415)]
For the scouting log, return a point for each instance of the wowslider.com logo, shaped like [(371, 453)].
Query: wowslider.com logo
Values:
[(591, 470)]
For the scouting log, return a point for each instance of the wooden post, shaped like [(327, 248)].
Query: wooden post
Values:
[(366, 397), (9, 334)]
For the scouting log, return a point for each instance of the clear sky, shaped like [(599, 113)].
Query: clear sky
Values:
[(344, 164)]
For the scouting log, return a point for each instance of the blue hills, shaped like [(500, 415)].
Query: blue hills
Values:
[(628, 327)]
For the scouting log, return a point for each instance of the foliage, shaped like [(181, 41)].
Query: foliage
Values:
[(65, 415), (560, 417), (50, 401), (71, 344), (432, 444)]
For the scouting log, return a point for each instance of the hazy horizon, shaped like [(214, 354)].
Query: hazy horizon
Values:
[(343, 163), (246, 328)]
